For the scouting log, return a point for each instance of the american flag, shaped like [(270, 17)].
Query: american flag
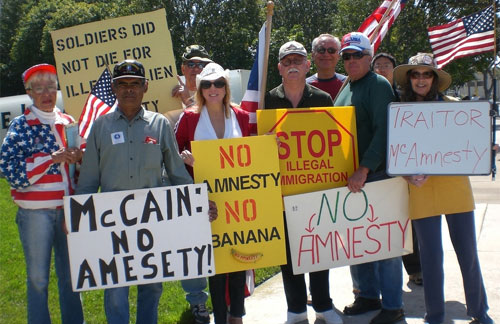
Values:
[(470, 35), (100, 101), (250, 101), (370, 24)]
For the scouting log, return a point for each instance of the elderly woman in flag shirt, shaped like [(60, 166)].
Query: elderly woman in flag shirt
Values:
[(35, 160)]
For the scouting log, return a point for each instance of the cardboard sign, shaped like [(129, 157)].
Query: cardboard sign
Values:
[(82, 52), (334, 228), (142, 236), (318, 146), (242, 177), (439, 138)]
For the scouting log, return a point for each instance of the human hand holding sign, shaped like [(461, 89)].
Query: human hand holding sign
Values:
[(357, 181)]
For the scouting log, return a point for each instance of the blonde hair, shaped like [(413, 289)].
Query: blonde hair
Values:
[(226, 101), (40, 76)]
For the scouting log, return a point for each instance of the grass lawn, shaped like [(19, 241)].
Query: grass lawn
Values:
[(173, 307)]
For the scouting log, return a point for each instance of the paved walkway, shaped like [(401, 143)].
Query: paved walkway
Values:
[(268, 305)]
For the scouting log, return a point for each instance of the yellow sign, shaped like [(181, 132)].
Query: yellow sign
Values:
[(82, 52), (318, 146), (242, 176)]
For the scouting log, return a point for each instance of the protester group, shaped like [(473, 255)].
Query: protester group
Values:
[(133, 148)]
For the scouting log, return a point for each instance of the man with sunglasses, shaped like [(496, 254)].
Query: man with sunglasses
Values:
[(294, 92), (370, 94), (194, 60), (130, 148), (325, 55)]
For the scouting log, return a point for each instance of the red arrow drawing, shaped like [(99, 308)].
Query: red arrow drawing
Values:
[(373, 214), (309, 229)]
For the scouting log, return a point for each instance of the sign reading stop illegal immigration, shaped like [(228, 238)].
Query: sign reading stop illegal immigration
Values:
[(318, 146)]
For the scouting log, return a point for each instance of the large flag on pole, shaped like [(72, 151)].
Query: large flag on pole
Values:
[(100, 101), (250, 101), (466, 36), (370, 25)]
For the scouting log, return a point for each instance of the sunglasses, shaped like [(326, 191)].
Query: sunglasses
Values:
[(322, 50), (207, 84), (295, 61), (355, 55), (199, 65), (423, 75)]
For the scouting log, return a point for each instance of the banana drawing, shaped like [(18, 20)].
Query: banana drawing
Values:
[(246, 257)]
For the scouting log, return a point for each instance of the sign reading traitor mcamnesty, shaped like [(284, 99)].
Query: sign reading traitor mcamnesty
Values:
[(242, 177), (82, 52), (436, 138), (334, 228), (142, 236), (318, 146)]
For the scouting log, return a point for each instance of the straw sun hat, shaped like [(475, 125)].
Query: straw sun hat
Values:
[(422, 60)]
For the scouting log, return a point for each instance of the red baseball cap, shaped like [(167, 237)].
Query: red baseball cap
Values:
[(44, 67)]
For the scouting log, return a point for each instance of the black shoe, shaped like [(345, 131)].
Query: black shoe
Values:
[(387, 316), (362, 305), (200, 314)]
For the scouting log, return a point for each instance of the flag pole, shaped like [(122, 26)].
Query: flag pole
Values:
[(269, 20), (494, 112), (372, 37), (382, 21)]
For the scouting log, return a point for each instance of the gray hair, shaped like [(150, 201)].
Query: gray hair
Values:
[(40, 76), (317, 39)]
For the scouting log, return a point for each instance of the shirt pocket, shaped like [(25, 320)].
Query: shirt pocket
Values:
[(151, 155)]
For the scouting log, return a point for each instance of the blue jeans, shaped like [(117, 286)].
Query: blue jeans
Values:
[(383, 277), (463, 237), (194, 289), (116, 304), (39, 231)]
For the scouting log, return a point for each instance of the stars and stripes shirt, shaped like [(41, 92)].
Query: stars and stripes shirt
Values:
[(36, 182)]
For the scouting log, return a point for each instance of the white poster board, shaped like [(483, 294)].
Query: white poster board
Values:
[(334, 228), (133, 237), (439, 138)]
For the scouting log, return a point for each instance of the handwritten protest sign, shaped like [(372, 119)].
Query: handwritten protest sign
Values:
[(439, 138), (335, 227), (133, 237), (242, 177), (82, 52), (318, 146)]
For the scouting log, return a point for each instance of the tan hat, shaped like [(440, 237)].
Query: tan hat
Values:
[(292, 47), (422, 60)]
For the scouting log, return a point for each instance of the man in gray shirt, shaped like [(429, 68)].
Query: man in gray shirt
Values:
[(128, 149)]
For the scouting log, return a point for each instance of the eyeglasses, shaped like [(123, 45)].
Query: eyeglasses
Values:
[(382, 66), (423, 75), (322, 50), (355, 55), (295, 61), (40, 90), (199, 65), (217, 83)]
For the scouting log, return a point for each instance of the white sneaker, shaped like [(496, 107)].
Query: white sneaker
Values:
[(330, 317), (296, 318)]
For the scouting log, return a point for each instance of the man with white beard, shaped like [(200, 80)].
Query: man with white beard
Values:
[(294, 92)]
